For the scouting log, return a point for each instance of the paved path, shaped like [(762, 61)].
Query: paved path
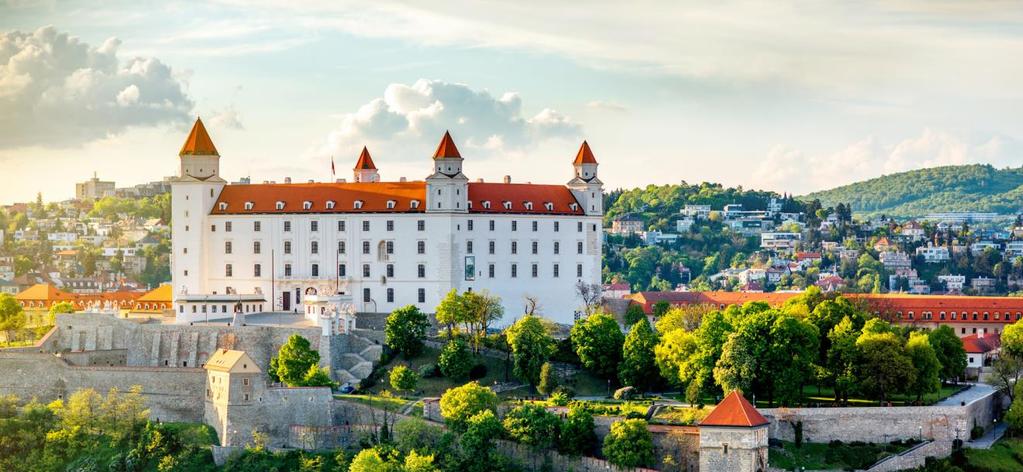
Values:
[(988, 439), (978, 391)]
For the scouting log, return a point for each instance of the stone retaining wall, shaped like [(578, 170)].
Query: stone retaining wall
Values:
[(170, 394), (914, 457)]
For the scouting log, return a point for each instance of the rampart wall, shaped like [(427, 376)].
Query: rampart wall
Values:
[(170, 394)]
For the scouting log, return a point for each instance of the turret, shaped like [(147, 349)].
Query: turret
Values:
[(199, 157), (447, 188), (586, 187), (365, 170)]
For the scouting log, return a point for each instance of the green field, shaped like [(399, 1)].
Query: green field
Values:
[(1006, 455)]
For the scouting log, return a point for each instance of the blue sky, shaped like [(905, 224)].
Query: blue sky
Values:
[(787, 96)]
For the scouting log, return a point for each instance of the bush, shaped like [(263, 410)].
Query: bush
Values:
[(459, 404), (532, 424), (577, 436), (477, 372), (429, 371), (455, 360), (629, 444), (558, 399), (624, 393), (404, 379)]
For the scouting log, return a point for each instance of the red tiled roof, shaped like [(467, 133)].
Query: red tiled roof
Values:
[(446, 148), (375, 195), (585, 155), (198, 142), (365, 161), (974, 344), (648, 299), (734, 410)]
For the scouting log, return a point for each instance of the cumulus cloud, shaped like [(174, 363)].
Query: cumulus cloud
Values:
[(792, 170), (228, 118), (410, 118), (58, 91)]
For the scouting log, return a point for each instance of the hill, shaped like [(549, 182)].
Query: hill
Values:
[(979, 188)]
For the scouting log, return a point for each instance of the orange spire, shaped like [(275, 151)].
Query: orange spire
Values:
[(198, 142), (585, 155), (365, 161), (734, 410), (446, 148)]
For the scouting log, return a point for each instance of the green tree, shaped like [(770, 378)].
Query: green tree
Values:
[(1014, 417), (1012, 339), (455, 360), (925, 363), (368, 460), (12, 316), (598, 342), (638, 367), (634, 313), (293, 361), (884, 367), (660, 308), (674, 355), (317, 376), (481, 429), (532, 424), (843, 358), (687, 317), (548, 379), (415, 462), (950, 351), (531, 346), (629, 444), (451, 311), (406, 329), (577, 435), (404, 379), (459, 404), (481, 310)]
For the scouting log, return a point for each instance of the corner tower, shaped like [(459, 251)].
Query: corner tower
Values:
[(586, 187), (193, 193), (734, 436), (365, 170), (447, 188)]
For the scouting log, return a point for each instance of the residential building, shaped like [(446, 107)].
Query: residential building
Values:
[(94, 189), (780, 241), (953, 283), (627, 224), (933, 254)]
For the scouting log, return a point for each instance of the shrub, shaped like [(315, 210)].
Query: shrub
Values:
[(404, 379), (459, 404), (477, 372), (429, 371), (577, 436), (629, 444), (558, 399), (455, 361), (624, 393), (532, 424)]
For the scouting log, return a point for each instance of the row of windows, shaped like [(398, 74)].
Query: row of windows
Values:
[(314, 247), (342, 271), (314, 225), (212, 308), (927, 315), (367, 295)]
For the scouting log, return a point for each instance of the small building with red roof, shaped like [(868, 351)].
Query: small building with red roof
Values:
[(733, 436), (981, 350)]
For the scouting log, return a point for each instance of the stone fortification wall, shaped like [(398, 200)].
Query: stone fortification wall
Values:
[(166, 345), (111, 358), (914, 457), (875, 424), (276, 411), (170, 394)]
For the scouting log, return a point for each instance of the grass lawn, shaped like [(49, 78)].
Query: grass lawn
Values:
[(840, 456), (1005, 455), (583, 383), (377, 401), (827, 395)]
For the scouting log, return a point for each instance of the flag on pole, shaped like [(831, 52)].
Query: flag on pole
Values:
[(332, 172)]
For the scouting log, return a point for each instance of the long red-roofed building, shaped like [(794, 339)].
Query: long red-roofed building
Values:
[(965, 314)]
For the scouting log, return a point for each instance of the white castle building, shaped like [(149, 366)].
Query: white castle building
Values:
[(265, 247)]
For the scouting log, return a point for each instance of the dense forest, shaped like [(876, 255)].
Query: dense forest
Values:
[(977, 187)]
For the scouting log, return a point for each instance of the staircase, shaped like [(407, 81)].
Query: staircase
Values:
[(357, 366)]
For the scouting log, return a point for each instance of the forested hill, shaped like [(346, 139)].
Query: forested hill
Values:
[(660, 204), (977, 187)]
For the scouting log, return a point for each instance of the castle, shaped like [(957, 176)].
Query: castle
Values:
[(266, 247)]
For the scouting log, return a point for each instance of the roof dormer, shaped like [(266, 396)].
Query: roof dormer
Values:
[(528, 205), (330, 204), (279, 205), (391, 204), (249, 205), (358, 204), (507, 205), (486, 204), (223, 206), (549, 206), (414, 204), (307, 205)]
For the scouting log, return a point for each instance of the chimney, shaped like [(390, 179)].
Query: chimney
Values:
[(287, 180), (312, 181), (479, 180), (266, 181), (507, 179), (401, 179), (344, 181)]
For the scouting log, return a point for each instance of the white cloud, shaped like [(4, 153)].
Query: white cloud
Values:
[(228, 118), (791, 170), (58, 91), (414, 117), (606, 105)]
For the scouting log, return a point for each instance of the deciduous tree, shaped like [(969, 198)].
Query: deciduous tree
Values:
[(293, 360), (629, 444), (406, 329), (459, 404), (532, 424), (598, 343), (884, 367), (455, 360), (925, 363), (531, 347), (950, 351), (638, 367)]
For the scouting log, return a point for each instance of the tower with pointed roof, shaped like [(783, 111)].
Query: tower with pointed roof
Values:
[(587, 188), (447, 188), (193, 194), (733, 437), (365, 170)]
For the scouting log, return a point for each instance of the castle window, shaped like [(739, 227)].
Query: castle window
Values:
[(316, 270), (227, 247), (365, 270), (486, 204), (279, 205), (557, 226), (358, 204), (490, 271), (341, 225), (248, 205), (342, 270), (314, 226), (228, 270), (307, 205), (390, 295), (492, 247), (414, 204), (579, 271), (227, 226), (421, 271), (535, 271), (366, 295), (536, 247), (314, 247), (340, 247), (389, 247), (514, 247), (223, 206), (287, 247), (549, 206), (536, 226), (468, 225), (514, 225), (330, 204), (557, 247), (421, 225), (390, 204), (257, 270), (579, 247), (390, 225), (365, 225), (390, 270), (514, 270), (245, 382), (507, 205), (556, 271), (421, 247), (422, 295), (468, 247), (365, 247)]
